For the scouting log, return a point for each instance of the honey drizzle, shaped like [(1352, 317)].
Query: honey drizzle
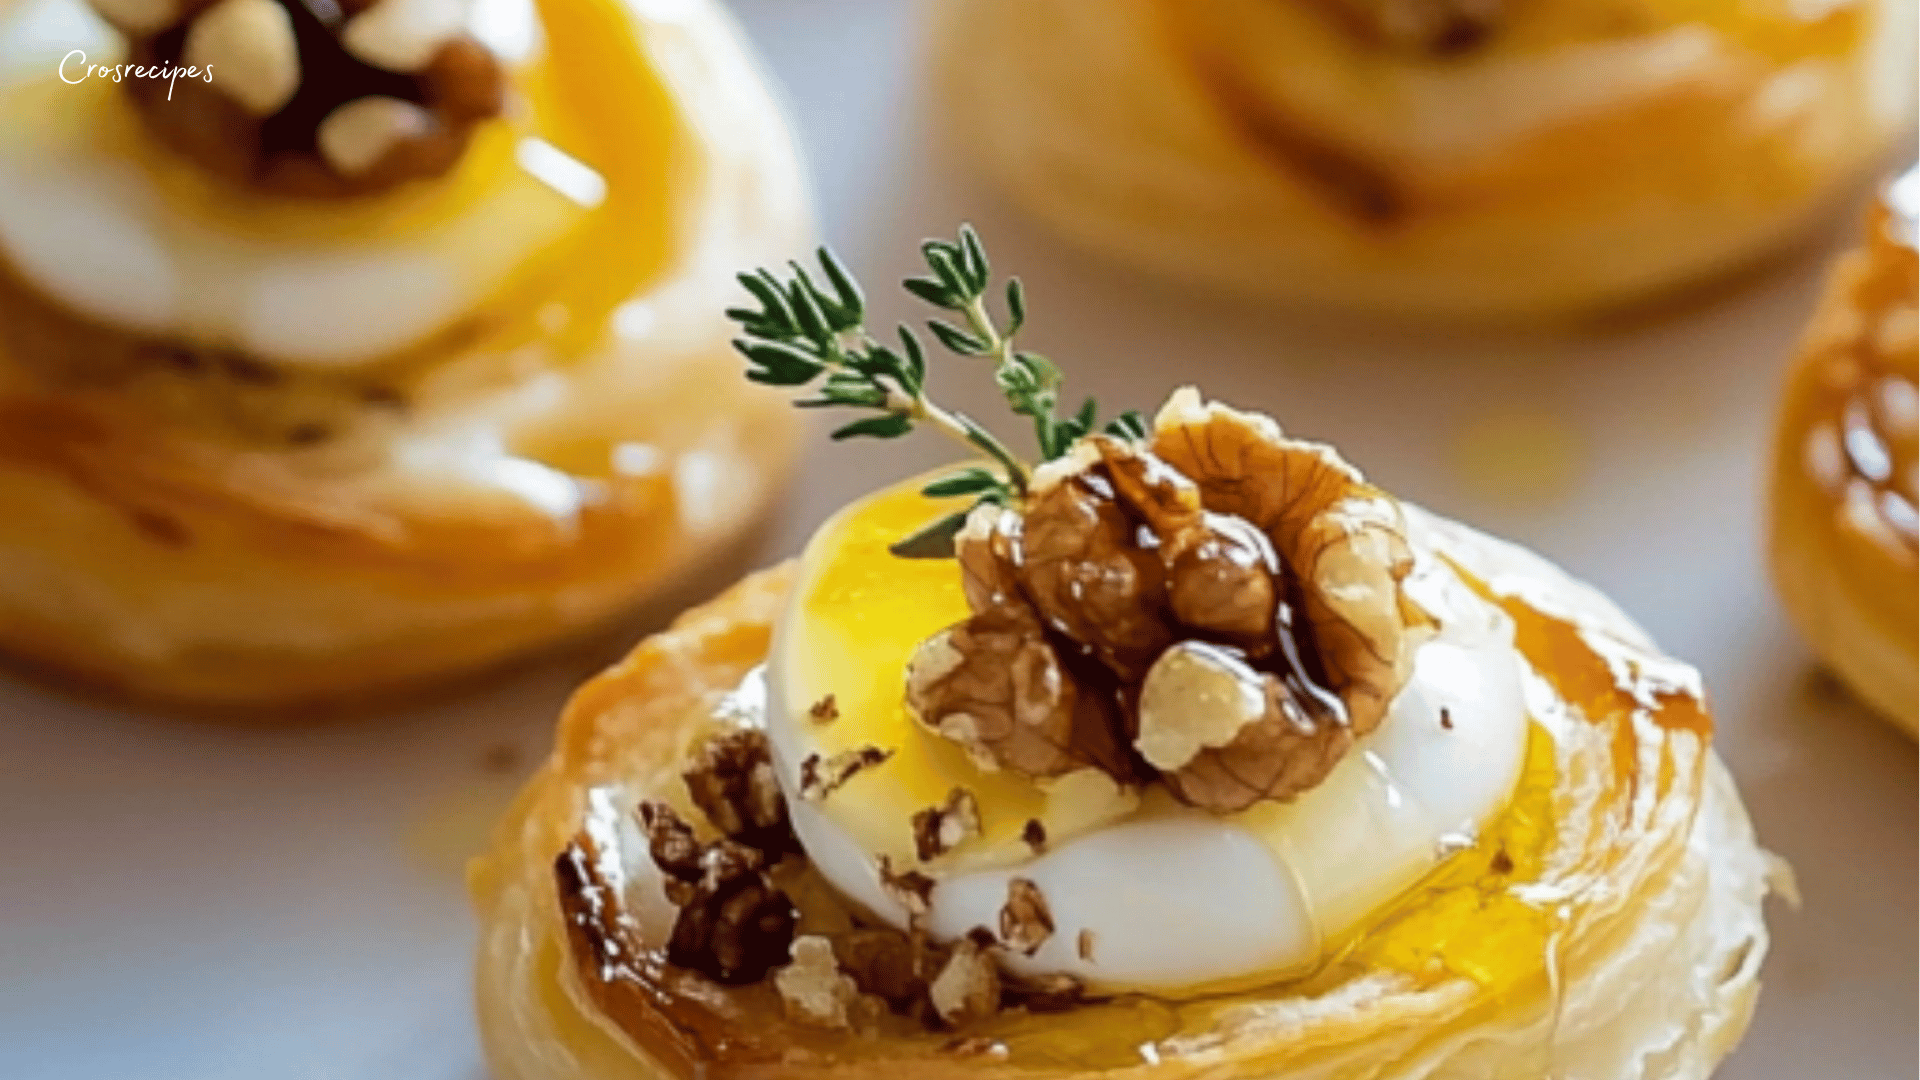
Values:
[(1469, 919)]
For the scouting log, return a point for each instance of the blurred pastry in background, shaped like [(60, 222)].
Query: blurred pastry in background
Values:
[(1844, 461), (348, 347), (1174, 750), (1452, 159)]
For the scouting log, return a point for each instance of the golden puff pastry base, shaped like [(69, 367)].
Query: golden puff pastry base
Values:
[(1562, 168), (1653, 893), (1846, 573), (155, 561)]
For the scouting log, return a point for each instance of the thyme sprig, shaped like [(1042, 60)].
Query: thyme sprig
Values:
[(806, 335)]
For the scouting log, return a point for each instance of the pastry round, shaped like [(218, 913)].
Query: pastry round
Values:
[(1844, 460), (1607, 925), (312, 429), (1431, 158)]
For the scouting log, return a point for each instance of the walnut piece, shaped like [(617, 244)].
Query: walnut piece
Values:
[(1086, 573), (822, 776), (1221, 608), (403, 35), (312, 100), (1342, 539), (1226, 736), (1026, 922), (1034, 835), (672, 844), (985, 549), (968, 986), (356, 136), (886, 963), (251, 44), (731, 779), (939, 829), (813, 988), (734, 926), (994, 685), (911, 889)]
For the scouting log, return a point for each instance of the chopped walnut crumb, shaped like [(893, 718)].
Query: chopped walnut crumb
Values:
[(939, 829), (1084, 945), (824, 711), (821, 777), (731, 779), (1026, 922), (674, 847), (813, 988), (968, 985), (1034, 835), (910, 889)]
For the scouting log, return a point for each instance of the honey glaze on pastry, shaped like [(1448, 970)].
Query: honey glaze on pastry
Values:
[(1471, 159), (1195, 755), (1843, 494), (385, 350)]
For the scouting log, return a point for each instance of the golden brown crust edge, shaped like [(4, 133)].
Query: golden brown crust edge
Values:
[(1127, 146), (391, 606), (1849, 589), (539, 1021), (632, 720), (154, 564)]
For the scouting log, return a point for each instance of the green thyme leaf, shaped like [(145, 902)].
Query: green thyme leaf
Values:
[(1128, 425), (969, 481), (890, 426), (806, 334), (1016, 306), (932, 541), (956, 339)]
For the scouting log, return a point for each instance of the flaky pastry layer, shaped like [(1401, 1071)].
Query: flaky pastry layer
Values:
[(1842, 542), (1562, 165), (1649, 896), (512, 501)]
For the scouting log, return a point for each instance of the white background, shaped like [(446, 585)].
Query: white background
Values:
[(190, 903)]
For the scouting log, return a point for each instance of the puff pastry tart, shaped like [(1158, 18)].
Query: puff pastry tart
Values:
[(1843, 499), (344, 347), (1452, 159), (1197, 755)]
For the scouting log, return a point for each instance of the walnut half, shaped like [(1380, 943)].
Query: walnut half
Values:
[(1220, 608), (335, 99)]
